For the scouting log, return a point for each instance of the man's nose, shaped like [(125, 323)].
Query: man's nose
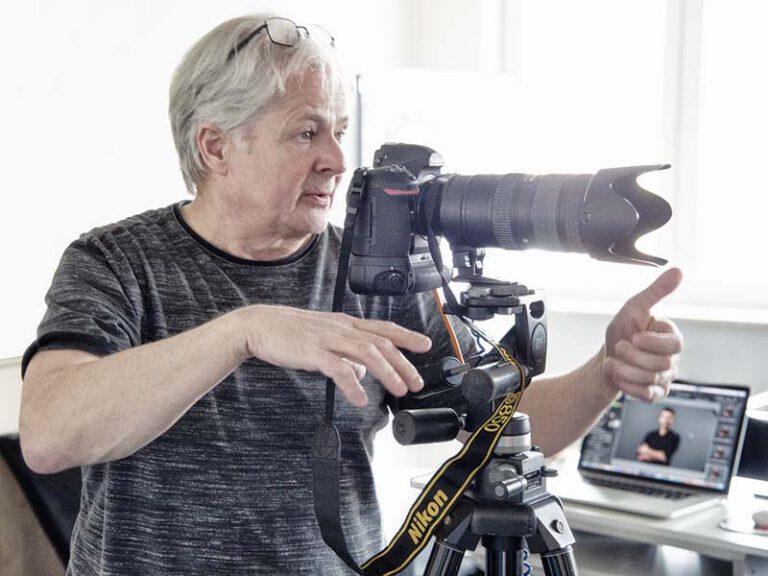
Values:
[(332, 159)]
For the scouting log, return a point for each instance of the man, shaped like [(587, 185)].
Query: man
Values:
[(182, 358), (660, 445)]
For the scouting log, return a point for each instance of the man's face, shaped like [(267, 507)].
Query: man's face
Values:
[(666, 420), (284, 175)]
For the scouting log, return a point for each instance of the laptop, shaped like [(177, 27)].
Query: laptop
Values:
[(664, 459)]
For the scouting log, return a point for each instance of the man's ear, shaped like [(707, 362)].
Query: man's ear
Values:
[(212, 143)]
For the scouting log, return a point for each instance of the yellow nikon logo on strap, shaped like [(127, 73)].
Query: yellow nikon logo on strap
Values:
[(503, 414), (423, 518)]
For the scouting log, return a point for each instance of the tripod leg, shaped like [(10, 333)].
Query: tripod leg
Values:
[(560, 562), (503, 556), (445, 560), (553, 539)]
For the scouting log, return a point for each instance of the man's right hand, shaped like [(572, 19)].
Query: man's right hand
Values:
[(126, 399), (338, 345)]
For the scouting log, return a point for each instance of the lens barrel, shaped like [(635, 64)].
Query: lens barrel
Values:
[(601, 214)]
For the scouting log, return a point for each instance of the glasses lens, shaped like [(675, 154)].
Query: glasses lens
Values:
[(282, 31)]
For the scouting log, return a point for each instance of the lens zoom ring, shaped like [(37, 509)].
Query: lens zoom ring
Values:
[(503, 217), (544, 213)]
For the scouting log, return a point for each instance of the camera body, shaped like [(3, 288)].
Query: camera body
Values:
[(388, 256)]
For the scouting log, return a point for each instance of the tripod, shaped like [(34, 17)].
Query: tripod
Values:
[(506, 507)]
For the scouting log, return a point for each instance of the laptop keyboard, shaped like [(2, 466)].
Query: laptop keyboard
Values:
[(666, 493)]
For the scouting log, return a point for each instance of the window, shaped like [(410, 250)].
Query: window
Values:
[(730, 199), (596, 84)]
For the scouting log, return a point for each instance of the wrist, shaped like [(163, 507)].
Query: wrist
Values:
[(604, 389), (239, 325)]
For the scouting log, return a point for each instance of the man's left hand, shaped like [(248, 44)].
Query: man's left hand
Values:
[(641, 351)]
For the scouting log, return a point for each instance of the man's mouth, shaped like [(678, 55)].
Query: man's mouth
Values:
[(319, 196)]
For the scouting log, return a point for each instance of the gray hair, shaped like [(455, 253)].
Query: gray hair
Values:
[(232, 92)]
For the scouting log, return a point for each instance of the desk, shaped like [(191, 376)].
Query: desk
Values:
[(699, 532)]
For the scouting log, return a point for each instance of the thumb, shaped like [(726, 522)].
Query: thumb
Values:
[(663, 286)]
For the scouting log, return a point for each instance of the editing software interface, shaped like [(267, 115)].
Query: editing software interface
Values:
[(691, 438)]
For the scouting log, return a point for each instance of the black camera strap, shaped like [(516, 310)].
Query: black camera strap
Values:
[(326, 445), (441, 492)]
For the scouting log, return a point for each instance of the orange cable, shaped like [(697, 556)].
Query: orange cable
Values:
[(448, 327)]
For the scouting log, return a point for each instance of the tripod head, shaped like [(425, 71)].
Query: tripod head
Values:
[(485, 378), (517, 472)]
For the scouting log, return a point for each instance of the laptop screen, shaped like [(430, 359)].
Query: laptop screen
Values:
[(690, 439)]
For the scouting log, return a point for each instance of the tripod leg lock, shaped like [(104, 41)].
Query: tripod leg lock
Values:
[(553, 532)]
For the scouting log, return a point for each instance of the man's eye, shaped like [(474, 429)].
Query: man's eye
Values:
[(308, 134), (340, 135)]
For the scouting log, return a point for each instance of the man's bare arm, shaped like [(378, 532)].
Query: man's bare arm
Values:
[(563, 408), (78, 408)]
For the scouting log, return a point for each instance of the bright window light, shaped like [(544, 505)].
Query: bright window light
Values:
[(597, 84), (579, 95), (732, 197)]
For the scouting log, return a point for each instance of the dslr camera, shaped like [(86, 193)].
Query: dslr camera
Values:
[(403, 201)]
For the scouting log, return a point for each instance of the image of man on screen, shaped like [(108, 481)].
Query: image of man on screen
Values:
[(660, 445)]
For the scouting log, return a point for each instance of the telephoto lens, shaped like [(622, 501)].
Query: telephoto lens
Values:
[(600, 214)]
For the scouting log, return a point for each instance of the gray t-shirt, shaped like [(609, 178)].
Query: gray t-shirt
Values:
[(228, 488)]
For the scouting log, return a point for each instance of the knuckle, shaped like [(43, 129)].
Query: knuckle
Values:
[(383, 343), (338, 370), (366, 349), (666, 364), (346, 370)]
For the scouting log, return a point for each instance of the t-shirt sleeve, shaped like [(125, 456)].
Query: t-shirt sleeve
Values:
[(88, 305)]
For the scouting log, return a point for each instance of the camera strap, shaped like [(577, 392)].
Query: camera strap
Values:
[(441, 492), (326, 444)]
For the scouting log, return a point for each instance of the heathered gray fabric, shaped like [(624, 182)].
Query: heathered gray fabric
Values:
[(228, 489)]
